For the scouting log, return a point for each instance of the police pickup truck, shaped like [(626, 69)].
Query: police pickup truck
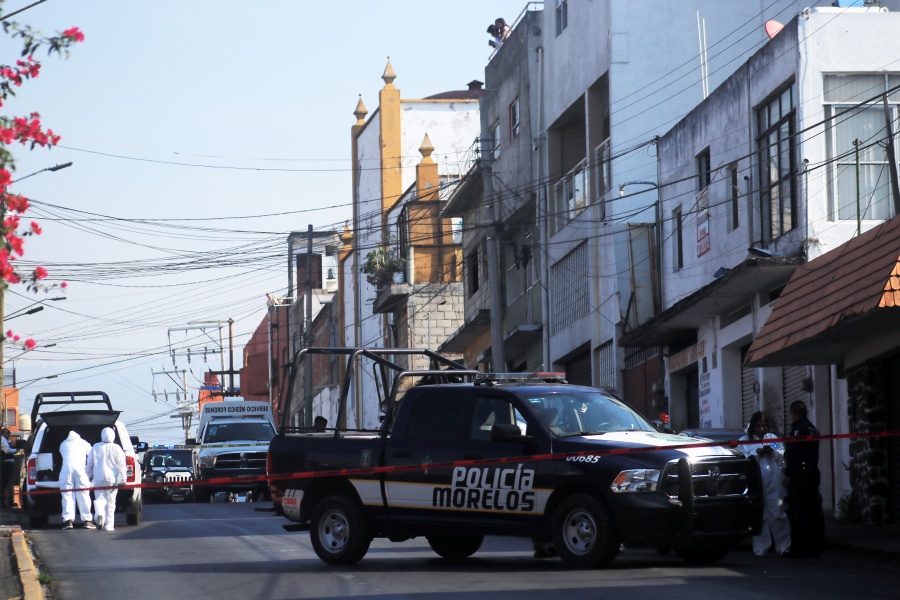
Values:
[(574, 468), (233, 436)]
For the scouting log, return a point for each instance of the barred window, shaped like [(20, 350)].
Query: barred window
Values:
[(571, 290)]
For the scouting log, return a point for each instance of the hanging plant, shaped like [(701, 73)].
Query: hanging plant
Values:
[(380, 266)]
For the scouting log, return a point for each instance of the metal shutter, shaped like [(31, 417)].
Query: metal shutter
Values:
[(792, 386), (748, 391), (578, 370), (692, 393)]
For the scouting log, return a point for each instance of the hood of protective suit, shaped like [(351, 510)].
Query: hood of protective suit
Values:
[(73, 436), (108, 435)]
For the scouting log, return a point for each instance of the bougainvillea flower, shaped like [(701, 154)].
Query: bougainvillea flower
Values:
[(30, 344), (36, 229), (74, 33), (40, 273)]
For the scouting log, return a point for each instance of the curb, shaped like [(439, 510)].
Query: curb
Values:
[(28, 574)]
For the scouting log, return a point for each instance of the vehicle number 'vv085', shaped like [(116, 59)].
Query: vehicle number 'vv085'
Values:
[(585, 459)]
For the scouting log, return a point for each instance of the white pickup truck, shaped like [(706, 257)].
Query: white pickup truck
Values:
[(233, 439)]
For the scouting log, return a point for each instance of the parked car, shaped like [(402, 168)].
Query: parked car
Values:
[(167, 474), (54, 415)]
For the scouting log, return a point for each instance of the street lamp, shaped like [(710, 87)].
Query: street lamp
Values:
[(52, 169), (36, 307)]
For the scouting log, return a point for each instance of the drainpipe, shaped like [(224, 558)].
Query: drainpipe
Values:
[(545, 220)]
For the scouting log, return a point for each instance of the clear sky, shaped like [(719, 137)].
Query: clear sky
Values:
[(202, 132)]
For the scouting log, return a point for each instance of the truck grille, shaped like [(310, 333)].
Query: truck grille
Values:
[(241, 460), (178, 477), (715, 478)]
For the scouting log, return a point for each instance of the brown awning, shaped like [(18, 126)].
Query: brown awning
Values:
[(839, 300)]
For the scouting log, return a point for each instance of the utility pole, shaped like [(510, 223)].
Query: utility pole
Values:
[(493, 259), (891, 156), (307, 338)]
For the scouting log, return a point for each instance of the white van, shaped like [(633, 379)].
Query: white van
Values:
[(233, 440), (54, 415)]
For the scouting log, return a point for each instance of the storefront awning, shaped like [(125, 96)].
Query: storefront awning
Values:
[(847, 297), (734, 289)]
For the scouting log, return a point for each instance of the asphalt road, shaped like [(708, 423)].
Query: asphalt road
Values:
[(240, 551)]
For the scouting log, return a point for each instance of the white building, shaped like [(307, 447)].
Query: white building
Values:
[(757, 180)]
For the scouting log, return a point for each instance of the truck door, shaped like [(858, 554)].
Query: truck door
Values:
[(452, 429)]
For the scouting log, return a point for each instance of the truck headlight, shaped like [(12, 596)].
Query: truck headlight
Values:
[(636, 480), (207, 462)]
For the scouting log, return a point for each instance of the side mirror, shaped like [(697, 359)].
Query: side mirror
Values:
[(508, 433), (191, 441), (140, 446)]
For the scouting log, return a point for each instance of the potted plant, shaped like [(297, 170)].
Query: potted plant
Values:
[(380, 266)]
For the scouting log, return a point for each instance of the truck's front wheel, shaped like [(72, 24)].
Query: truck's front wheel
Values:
[(455, 547), (584, 533), (339, 532)]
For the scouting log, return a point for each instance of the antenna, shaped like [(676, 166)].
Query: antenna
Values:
[(704, 65)]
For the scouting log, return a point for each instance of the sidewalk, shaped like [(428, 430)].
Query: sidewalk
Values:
[(18, 574)]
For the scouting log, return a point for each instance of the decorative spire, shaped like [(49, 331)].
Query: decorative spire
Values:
[(360, 111), (389, 76), (426, 149)]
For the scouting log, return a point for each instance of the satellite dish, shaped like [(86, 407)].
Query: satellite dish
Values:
[(773, 28)]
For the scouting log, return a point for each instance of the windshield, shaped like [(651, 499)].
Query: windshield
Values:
[(581, 413), (170, 458), (231, 432)]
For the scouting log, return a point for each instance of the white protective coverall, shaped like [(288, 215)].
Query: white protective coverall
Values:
[(73, 476), (776, 526), (106, 467)]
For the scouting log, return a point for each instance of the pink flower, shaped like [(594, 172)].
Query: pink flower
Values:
[(9, 333), (36, 229), (64, 285), (15, 338), (30, 344), (39, 273), (73, 33)]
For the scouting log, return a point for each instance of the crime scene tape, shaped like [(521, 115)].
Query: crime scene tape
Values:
[(362, 471)]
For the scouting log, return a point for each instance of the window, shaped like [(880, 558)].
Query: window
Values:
[(704, 168), (603, 175), (855, 120), (472, 272), (734, 194), (677, 239), (570, 194), (495, 140), (775, 142), (562, 15), (571, 289), (489, 412), (514, 119), (329, 250), (10, 417), (330, 274), (437, 418)]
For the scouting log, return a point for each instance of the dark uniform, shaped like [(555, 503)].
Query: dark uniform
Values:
[(804, 502)]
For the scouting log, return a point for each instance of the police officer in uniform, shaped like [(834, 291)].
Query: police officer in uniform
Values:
[(802, 477)]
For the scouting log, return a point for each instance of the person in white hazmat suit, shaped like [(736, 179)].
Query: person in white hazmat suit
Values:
[(106, 467), (776, 527), (74, 482)]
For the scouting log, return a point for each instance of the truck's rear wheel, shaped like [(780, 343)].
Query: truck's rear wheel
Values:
[(37, 521), (455, 547), (339, 532), (135, 517), (583, 532), (702, 556)]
